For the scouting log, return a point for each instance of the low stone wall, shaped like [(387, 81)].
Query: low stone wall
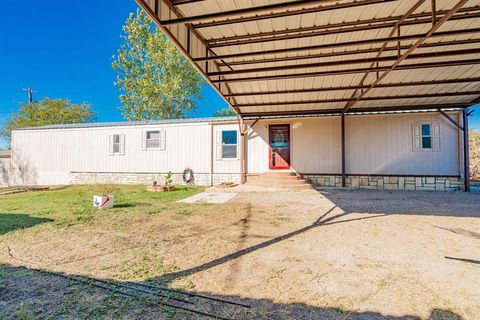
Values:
[(199, 179), (388, 182)]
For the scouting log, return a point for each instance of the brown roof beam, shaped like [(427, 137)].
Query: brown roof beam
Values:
[(339, 44), (346, 88), (414, 46), (475, 101), (244, 11), (347, 52), (181, 2), (340, 30), (378, 59), (376, 98), (352, 71), (356, 110), (368, 24), (396, 29), (271, 15)]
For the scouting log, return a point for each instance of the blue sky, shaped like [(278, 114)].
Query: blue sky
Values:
[(63, 49)]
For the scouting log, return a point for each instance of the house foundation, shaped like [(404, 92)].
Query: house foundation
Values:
[(387, 182)]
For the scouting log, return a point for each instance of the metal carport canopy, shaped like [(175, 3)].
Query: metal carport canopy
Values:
[(279, 57)]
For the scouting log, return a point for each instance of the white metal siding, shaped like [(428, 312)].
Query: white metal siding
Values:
[(384, 145), (377, 144), (4, 171), (50, 155)]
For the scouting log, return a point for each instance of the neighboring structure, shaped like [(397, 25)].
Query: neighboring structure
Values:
[(416, 151), (4, 168)]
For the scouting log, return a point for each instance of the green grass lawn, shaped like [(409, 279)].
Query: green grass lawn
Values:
[(74, 205)]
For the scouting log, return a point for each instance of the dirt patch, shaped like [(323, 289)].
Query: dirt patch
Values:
[(303, 255)]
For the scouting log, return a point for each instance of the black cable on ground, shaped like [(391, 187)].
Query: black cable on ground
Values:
[(137, 297), (149, 285)]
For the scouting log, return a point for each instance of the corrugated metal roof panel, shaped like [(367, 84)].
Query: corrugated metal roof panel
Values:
[(243, 39)]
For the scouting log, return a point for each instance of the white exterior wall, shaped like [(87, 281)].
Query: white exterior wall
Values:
[(376, 144), (4, 171), (384, 145), (49, 156)]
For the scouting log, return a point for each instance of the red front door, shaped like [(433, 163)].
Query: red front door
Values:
[(279, 141)]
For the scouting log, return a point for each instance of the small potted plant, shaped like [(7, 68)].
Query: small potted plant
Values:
[(169, 186), (154, 187)]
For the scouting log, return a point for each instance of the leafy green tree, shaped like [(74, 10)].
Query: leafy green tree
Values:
[(47, 111), (225, 112), (155, 80)]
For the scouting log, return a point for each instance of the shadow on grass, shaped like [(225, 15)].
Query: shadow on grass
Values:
[(43, 294), (14, 221), (125, 205)]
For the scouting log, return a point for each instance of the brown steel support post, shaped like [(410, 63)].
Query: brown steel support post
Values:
[(344, 182), (242, 150), (466, 150)]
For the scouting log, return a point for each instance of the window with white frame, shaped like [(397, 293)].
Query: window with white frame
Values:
[(117, 144), (227, 144), (153, 140), (426, 136)]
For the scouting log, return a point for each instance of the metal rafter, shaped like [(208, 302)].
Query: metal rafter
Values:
[(414, 46), (395, 29), (346, 88), (346, 53), (211, 17), (376, 98), (374, 60), (352, 71), (181, 2), (352, 4), (340, 44), (336, 28), (305, 112)]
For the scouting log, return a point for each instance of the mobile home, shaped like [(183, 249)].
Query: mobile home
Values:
[(412, 151)]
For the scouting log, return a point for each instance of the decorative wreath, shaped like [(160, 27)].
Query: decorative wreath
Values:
[(187, 175)]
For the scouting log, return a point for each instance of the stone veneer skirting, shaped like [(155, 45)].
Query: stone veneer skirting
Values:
[(378, 182), (200, 179)]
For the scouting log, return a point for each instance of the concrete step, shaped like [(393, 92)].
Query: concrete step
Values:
[(273, 178), (283, 180), (285, 187), (279, 173), (278, 182)]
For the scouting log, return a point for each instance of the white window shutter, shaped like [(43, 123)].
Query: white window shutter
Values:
[(218, 145), (122, 144), (144, 140), (436, 136), (163, 139), (417, 137), (110, 145)]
